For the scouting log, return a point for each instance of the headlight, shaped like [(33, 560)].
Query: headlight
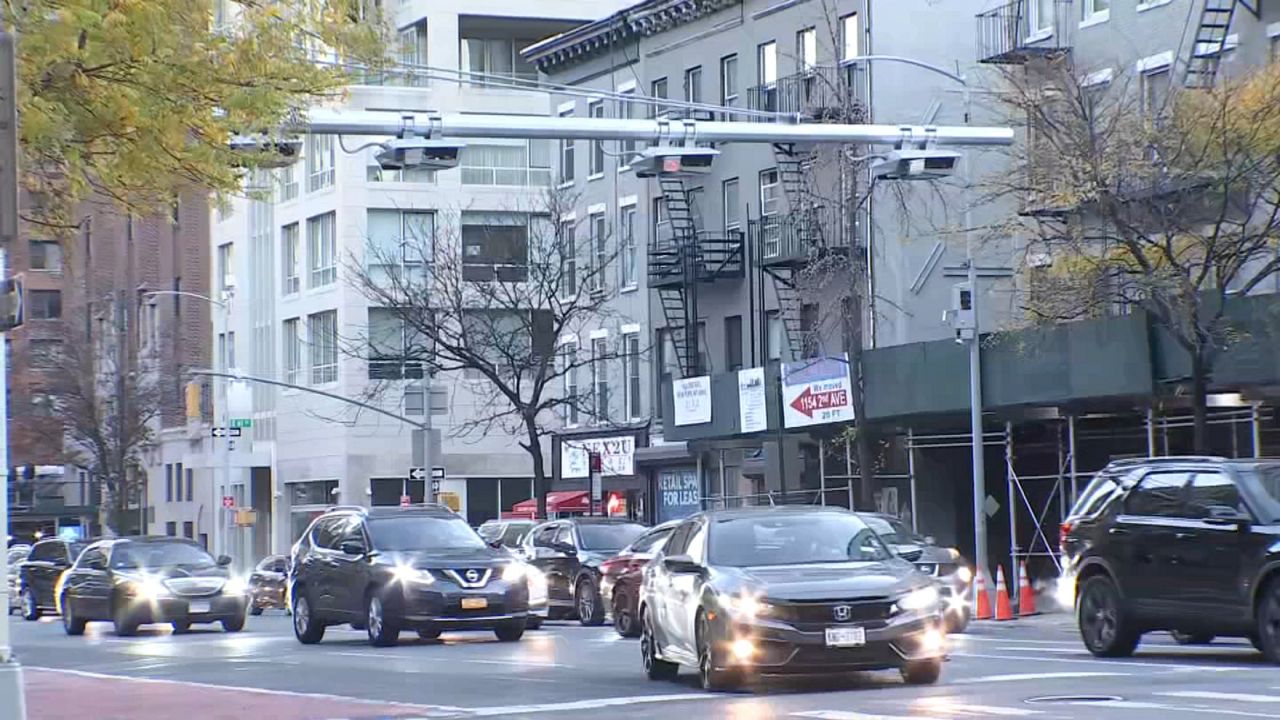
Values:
[(964, 574), (745, 607), (925, 598), (147, 587), (236, 585), (515, 572), (406, 574)]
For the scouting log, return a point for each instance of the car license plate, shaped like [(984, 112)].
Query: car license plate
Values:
[(474, 603), (198, 606), (846, 637)]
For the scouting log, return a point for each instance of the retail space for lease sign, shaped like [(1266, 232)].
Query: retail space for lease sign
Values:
[(816, 391)]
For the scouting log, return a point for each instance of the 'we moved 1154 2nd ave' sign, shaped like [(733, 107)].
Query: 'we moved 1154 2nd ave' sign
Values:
[(817, 391)]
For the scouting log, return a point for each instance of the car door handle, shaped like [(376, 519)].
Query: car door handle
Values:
[(1118, 531), (1185, 535)]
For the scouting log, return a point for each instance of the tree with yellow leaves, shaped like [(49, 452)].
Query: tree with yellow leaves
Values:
[(134, 100), (1134, 195)]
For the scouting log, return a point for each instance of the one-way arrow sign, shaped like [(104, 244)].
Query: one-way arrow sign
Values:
[(809, 402), (221, 432), (417, 473)]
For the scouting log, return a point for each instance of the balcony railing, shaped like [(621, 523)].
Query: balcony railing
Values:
[(1013, 33), (835, 93), (794, 238), (506, 176)]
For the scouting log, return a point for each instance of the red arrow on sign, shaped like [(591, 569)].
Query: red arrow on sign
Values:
[(809, 401)]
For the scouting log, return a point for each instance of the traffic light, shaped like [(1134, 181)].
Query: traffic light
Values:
[(10, 303)]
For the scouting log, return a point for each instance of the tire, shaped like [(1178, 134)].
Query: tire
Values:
[(382, 631), (1269, 622), (510, 630), (655, 668), (126, 624), (30, 608), (1105, 630), (533, 622), (586, 599), (922, 672), (1191, 638), (181, 626), (255, 610), (711, 673), (429, 634), (72, 624), (233, 624), (306, 627), (624, 621)]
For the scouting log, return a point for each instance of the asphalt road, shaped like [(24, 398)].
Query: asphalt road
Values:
[(995, 671)]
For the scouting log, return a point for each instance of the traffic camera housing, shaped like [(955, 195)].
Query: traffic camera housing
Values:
[(916, 164), (267, 151), (415, 152), (670, 161)]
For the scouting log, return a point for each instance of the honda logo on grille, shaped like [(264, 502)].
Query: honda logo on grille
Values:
[(842, 613), (473, 576)]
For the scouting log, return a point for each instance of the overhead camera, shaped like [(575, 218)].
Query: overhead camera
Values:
[(916, 164), (672, 161), (413, 152), (267, 151)]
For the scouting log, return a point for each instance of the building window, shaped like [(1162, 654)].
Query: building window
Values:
[(289, 265), (322, 337), (226, 267), (413, 53), (287, 183), (631, 373), (767, 64), (733, 343), (322, 250), (731, 202), (628, 109), (191, 482), (567, 154), (45, 354), (775, 336), (569, 359), (1155, 90), (524, 164), (806, 50), (1096, 9), (168, 482), (177, 485), (1040, 18), (599, 251), (658, 90), (628, 231), (600, 378), (490, 61), (45, 255), (231, 350), (188, 529), (849, 37), (661, 223), (704, 357), (729, 80), (399, 243), (320, 162), (292, 352), (495, 246), (171, 528), (693, 84), (391, 347), (222, 351), (596, 160), (43, 304), (569, 257)]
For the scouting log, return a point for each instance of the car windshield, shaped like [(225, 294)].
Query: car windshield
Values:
[(130, 556), (893, 531), (514, 534), (794, 539), (611, 536), (490, 531), (423, 533)]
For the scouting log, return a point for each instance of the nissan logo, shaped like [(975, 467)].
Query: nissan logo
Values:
[(842, 613), (474, 576)]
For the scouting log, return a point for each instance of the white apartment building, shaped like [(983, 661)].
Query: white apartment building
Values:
[(296, 314)]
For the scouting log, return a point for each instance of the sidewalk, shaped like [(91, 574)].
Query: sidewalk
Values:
[(70, 695)]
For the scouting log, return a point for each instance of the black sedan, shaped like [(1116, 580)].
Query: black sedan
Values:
[(140, 580), (620, 577), (569, 552), (38, 575), (267, 584), (787, 590)]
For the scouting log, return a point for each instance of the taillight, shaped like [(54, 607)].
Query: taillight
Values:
[(1063, 531)]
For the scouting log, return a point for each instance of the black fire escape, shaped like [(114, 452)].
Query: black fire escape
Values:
[(1210, 39)]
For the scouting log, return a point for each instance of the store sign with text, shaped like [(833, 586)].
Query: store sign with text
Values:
[(679, 494), (692, 400), (617, 456), (816, 391)]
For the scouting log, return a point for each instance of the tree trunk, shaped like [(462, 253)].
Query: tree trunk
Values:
[(540, 484), (1199, 404)]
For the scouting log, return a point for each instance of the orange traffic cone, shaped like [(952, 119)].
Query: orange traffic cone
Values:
[(1004, 610), (1026, 593), (980, 597)]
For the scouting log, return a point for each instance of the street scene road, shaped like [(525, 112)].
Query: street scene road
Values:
[(1029, 668)]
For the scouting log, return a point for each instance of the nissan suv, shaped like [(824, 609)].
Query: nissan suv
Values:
[(1183, 544), (391, 569)]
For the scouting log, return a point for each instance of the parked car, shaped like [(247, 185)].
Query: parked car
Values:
[(569, 552), (267, 584), (39, 573), (1183, 544), (506, 533), (384, 570), (762, 591), (15, 555), (620, 577), (139, 580), (946, 565)]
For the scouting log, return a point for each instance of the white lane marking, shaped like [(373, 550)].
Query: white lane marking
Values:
[(1017, 677), (1210, 695), (989, 639), (591, 704), (847, 715), (610, 639), (516, 663), (951, 705), (253, 690), (1053, 650), (1214, 711), (1107, 663)]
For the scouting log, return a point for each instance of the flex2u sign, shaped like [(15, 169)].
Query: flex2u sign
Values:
[(816, 391)]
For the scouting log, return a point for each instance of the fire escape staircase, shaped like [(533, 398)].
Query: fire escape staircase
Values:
[(1210, 39), (797, 238)]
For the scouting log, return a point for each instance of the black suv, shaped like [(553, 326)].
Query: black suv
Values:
[(1185, 544), (390, 569)]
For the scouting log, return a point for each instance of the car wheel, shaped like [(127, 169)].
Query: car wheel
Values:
[(126, 624), (1191, 638), (1269, 622), (533, 622), (255, 610), (510, 630), (429, 633), (710, 673), (922, 672), (383, 632), (1100, 616), (306, 627), (30, 608), (234, 624), (587, 600), (624, 621), (654, 667), (72, 624), (181, 626)]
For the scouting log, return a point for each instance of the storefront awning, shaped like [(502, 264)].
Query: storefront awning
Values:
[(561, 501)]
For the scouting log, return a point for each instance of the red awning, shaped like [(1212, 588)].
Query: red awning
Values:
[(560, 501)]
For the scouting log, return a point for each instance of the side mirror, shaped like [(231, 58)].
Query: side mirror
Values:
[(351, 547), (911, 555), (223, 560), (680, 564)]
